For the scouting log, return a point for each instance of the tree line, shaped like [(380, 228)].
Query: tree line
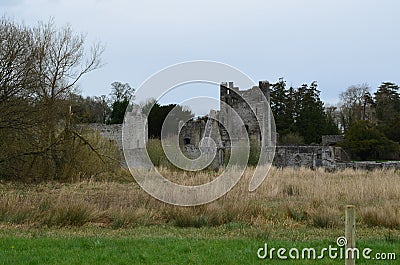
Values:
[(300, 115), (370, 123), (110, 109), (40, 106)]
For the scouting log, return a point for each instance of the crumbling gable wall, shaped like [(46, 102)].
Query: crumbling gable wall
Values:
[(248, 104)]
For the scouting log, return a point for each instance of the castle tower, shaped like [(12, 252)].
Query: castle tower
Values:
[(265, 88), (250, 106)]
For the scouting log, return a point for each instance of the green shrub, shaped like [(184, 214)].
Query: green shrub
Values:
[(365, 142), (77, 155), (291, 139)]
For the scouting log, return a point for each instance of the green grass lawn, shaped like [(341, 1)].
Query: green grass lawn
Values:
[(163, 245)]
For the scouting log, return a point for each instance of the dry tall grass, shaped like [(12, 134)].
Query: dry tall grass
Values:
[(291, 196)]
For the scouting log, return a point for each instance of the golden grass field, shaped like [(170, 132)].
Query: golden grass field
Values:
[(291, 197)]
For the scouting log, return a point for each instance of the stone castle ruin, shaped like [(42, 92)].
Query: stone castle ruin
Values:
[(251, 109), (248, 104)]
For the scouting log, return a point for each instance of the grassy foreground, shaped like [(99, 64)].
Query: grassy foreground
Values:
[(116, 222), (296, 197), (170, 245)]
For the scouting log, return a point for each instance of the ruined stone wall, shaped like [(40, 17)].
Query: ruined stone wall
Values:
[(192, 132), (369, 165), (304, 156), (249, 105), (326, 155), (332, 139), (136, 132), (285, 156), (112, 132)]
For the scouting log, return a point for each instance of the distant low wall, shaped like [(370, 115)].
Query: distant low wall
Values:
[(367, 165), (332, 139), (285, 156), (111, 131)]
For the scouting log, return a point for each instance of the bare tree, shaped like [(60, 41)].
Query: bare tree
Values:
[(61, 61), (39, 69), (356, 104), (121, 91), (16, 67)]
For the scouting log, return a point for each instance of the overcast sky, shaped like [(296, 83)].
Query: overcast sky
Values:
[(337, 43)]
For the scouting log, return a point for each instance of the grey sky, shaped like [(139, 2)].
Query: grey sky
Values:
[(338, 43)]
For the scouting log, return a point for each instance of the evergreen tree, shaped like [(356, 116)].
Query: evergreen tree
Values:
[(387, 100), (121, 95), (387, 107), (331, 121), (158, 113), (311, 120), (281, 106), (118, 111), (363, 141), (300, 114)]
